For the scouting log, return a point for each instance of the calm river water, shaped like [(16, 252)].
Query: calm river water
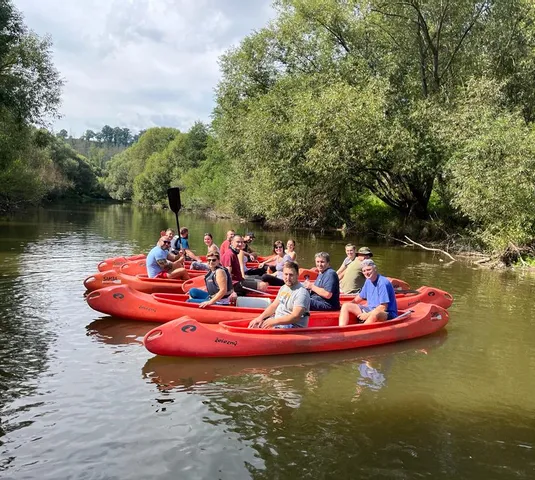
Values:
[(81, 398)]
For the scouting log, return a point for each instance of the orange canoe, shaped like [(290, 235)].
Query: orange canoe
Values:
[(138, 282), (188, 338), (115, 263), (124, 302)]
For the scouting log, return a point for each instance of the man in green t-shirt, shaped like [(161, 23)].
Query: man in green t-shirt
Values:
[(353, 279)]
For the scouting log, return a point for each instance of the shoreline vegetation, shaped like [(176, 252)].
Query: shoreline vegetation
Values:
[(406, 121)]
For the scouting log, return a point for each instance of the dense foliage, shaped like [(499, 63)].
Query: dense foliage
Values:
[(404, 100), (33, 163), (379, 115)]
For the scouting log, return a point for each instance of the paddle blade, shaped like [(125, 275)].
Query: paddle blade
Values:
[(173, 194)]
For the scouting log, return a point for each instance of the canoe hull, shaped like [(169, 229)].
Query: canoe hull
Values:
[(189, 338), (141, 283)]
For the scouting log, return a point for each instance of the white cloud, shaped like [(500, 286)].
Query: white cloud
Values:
[(140, 63)]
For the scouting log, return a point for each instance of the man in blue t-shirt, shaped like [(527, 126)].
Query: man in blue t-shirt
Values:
[(163, 264), (325, 291), (380, 295)]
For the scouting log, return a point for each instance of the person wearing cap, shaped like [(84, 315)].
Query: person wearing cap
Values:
[(353, 279), (325, 291), (163, 264), (379, 295), (351, 254)]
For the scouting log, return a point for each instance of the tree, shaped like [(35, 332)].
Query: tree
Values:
[(63, 134), (351, 90)]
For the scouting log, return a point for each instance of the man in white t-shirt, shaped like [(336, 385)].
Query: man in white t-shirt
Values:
[(291, 308)]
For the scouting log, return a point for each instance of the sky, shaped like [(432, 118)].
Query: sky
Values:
[(140, 63)]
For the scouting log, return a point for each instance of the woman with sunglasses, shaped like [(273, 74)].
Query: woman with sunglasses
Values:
[(275, 277), (163, 264), (212, 247), (218, 284)]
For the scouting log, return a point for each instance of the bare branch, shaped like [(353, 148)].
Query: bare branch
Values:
[(430, 249)]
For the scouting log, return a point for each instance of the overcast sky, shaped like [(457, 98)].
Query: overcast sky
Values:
[(140, 63)]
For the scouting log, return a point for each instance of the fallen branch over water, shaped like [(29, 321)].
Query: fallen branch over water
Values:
[(429, 248)]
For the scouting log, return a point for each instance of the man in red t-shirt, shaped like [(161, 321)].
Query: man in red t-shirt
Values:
[(231, 261), (226, 244)]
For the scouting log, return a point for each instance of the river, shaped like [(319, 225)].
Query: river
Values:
[(81, 398)]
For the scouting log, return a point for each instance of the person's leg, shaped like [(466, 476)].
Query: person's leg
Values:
[(179, 274), (273, 281), (348, 310), (377, 317), (198, 293), (256, 271), (199, 266)]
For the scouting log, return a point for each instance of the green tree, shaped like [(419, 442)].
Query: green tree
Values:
[(346, 95)]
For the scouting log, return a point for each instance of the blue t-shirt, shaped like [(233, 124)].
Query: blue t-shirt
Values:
[(155, 255), (178, 242), (380, 291), (330, 282)]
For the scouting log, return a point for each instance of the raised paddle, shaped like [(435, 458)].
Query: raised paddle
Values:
[(173, 194)]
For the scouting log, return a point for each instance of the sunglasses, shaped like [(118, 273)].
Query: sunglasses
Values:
[(210, 260), (167, 242), (279, 248)]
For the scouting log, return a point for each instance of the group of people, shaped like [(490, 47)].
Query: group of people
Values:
[(228, 272)]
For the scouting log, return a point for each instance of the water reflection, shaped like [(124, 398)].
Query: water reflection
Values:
[(370, 365)]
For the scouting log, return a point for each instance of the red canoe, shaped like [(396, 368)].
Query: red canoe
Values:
[(141, 283), (124, 302), (188, 338), (115, 263)]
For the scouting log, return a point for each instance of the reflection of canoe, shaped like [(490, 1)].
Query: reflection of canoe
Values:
[(115, 332), (124, 302), (138, 282), (170, 372), (189, 338)]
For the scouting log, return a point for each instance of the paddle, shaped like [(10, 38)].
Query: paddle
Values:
[(173, 194)]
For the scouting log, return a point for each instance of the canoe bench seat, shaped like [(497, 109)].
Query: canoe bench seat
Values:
[(253, 302)]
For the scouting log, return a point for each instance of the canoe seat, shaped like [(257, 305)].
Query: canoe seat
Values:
[(253, 302)]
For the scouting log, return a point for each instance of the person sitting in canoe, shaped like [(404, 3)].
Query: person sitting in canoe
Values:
[(276, 276), (290, 249), (268, 265), (353, 279), (380, 295), (212, 247), (247, 249), (225, 245), (181, 243), (231, 261), (325, 291), (163, 264), (218, 284), (351, 254), (291, 308)]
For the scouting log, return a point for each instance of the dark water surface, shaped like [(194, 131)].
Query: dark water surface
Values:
[(81, 398)]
